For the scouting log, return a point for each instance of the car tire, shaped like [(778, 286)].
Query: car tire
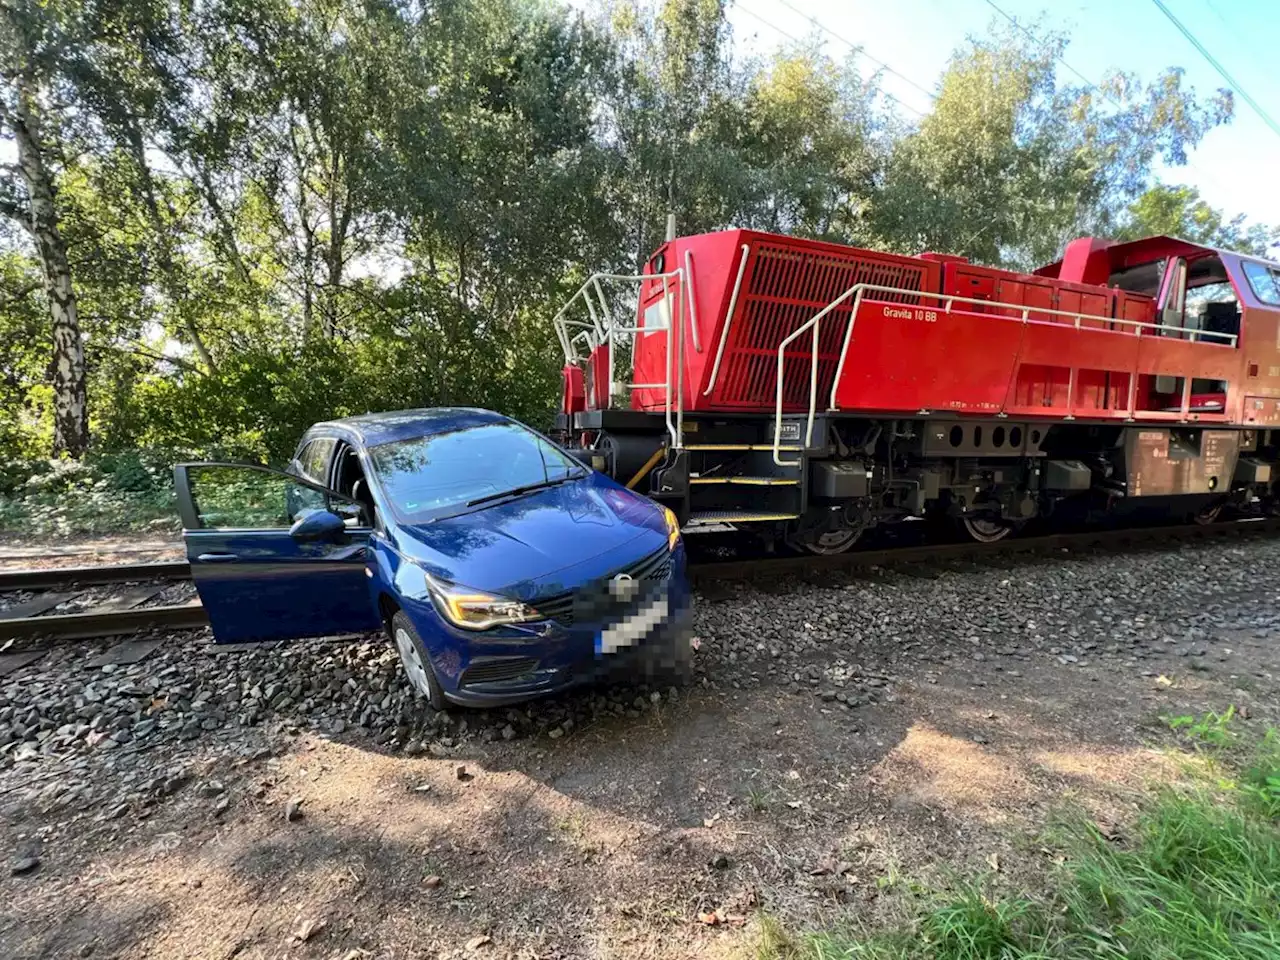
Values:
[(415, 662)]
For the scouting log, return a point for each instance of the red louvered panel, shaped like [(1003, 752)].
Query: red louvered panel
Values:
[(784, 286)]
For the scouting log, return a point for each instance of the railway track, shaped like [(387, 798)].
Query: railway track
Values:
[(19, 625)]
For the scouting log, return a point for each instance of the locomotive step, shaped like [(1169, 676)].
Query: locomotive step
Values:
[(750, 481), (736, 516), (740, 446)]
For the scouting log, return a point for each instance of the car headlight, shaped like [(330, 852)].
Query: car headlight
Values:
[(673, 528), (475, 609)]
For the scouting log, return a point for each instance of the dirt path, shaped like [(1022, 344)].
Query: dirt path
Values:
[(919, 724)]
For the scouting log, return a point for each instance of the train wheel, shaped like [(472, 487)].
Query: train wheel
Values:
[(986, 530), (1209, 514), (834, 541)]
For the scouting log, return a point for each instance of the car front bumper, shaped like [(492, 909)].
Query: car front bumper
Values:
[(495, 669)]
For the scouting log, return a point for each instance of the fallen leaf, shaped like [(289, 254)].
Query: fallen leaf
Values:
[(710, 919), (1163, 681), (475, 943), (310, 928), (994, 861)]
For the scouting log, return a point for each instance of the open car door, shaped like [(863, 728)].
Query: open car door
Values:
[(273, 556)]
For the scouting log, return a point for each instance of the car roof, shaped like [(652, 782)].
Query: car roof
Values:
[(372, 429)]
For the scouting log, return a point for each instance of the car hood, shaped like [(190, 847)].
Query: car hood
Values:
[(548, 540)]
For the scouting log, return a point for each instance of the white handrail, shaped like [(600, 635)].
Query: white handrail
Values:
[(693, 304), (728, 319), (857, 291), (605, 332)]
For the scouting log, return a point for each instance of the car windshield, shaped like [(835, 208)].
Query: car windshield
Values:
[(431, 477)]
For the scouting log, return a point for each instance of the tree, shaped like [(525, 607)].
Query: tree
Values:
[(1009, 165), (1180, 212), (27, 197)]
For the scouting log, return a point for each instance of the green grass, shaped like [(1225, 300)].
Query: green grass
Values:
[(1197, 877)]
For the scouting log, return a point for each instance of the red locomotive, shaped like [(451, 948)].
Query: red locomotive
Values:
[(813, 390)]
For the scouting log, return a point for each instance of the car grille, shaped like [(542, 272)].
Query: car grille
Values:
[(655, 567), (499, 668)]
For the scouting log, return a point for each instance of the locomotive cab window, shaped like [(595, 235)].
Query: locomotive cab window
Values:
[(1264, 280), (1198, 302), (1212, 301)]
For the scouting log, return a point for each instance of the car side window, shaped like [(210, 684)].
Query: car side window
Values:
[(313, 461), (240, 498)]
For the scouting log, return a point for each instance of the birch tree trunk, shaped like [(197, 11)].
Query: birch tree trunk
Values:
[(70, 402)]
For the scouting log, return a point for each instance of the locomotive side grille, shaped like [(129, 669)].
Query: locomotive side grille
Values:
[(784, 288)]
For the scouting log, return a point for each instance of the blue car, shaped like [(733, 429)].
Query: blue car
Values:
[(500, 566)]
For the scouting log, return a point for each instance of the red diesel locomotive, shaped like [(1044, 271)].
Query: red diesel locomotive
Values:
[(810, 390)]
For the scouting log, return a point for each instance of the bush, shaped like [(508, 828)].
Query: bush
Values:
[(100, 494)]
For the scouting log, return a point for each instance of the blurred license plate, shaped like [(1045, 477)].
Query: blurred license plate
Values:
[(631, 629)]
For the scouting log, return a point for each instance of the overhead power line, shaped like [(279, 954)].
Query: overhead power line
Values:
[(794, 39), (1089, 84), (858, 49), (1222, 71)]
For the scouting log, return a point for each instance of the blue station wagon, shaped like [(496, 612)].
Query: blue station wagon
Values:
[(500, 566)]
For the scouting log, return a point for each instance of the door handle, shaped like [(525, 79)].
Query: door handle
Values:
[(216, 557)]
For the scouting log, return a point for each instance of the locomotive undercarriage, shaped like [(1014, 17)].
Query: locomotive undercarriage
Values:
[(989, 477)]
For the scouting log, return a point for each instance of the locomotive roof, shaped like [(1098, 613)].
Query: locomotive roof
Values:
[(1133, 252)]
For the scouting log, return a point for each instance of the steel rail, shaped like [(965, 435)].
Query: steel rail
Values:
[(82, 576), (83, 626), (861, 559)]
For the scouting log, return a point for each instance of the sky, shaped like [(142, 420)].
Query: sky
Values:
[(1235, 168)]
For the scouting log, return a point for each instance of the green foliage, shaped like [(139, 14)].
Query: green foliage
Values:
[(1212, 728), (1259, 781), (1197, 878), (100, 494), (1011, 164), (1179, 212)]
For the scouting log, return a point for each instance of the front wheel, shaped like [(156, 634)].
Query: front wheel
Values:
[(416, 663), (1209, 514), (986, 529), (834, 541)]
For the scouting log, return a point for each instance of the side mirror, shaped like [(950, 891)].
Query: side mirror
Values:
[(318, 525)]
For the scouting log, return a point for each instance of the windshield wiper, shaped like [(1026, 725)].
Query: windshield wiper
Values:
[(527, 488)]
